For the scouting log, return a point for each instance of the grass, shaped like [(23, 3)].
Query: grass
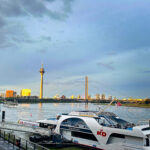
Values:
[(137, 105)]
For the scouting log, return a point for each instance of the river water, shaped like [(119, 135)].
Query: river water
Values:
[(40, 111), (46, 110)]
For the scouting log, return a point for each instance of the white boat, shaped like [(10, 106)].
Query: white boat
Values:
[(10, 104), (103, 131)]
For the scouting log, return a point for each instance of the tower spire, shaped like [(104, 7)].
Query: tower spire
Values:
[(86, 88)]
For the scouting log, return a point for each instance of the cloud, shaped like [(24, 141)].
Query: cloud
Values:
[(36, 8), (13, 35), (5, 45), (46, 83), (147, 71), (106, 65), (13, 15), (112, 54), (2, 22), (43, 51), (67, 6), (47, 38)]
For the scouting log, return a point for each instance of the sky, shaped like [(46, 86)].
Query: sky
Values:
[(108, 41)]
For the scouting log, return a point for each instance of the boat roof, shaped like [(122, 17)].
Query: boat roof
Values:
[(83, 113), (89, 113), (52, 121)]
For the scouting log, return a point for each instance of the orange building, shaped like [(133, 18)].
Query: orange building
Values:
[(10, 93)]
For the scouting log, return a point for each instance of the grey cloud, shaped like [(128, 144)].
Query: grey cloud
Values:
[(147, 71), (106, 65), (13, 32), (73, 81), (67, 6), (46, 83), (48, 38), (35, 8), (12, 35), (11, 8), (50, 0), (2, 22), (22, 39), (43, 51), (6, 45), (112, 53)]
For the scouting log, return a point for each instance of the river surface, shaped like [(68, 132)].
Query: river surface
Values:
[(40, 111), (46, 110)]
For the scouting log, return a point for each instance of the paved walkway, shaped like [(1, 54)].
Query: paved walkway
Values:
[(4, 145)]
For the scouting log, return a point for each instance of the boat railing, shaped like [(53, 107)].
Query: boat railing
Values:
[(143, 122), (21, 143)]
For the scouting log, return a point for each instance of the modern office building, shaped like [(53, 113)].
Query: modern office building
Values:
[(25, 92), (97, 96), (110, 98), (103, 97), (10, 93)]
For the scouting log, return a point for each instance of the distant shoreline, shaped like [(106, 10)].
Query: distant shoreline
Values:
[(51, 100), (137, 105)]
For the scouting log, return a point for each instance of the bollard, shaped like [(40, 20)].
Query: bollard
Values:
[(34, 146), (18, 143), (3, 116), (8, 137), (4, 135), (14, 141), (26, 145)]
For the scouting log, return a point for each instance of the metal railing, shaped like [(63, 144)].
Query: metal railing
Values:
[(144, 122), (20, 142)]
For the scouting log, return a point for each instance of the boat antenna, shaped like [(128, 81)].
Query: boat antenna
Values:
[(100, 111), (100, 108)]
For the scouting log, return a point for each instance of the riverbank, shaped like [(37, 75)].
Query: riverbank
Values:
[(52, 100), (129, 105), (99, 102), (137, 105)]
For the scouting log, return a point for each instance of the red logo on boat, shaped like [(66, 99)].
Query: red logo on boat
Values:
[(101, 133)]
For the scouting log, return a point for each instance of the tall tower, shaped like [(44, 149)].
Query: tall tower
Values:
[(86, 88), (41, 86)]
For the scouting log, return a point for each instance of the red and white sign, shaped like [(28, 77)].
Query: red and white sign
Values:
[(101, 133)]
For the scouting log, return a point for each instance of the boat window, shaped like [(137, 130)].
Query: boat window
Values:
[(115, 138), (147, 142), (144, 129), (84, 135), (118, 120), (134, 140), (103, 121), (117, 135), (43, 125), (51, 119), (76, 122)]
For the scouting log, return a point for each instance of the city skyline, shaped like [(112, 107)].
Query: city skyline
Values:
[(106, 41)]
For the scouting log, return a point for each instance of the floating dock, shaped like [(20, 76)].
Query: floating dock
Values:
[(24, 128)]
